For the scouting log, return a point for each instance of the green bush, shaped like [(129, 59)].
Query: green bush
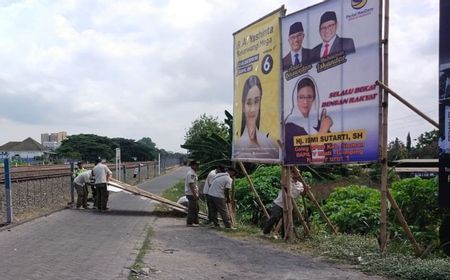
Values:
[(418, 200), (266, 180), (354, 209)]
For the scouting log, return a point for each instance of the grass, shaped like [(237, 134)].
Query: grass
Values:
[(358, 250), (140, 256)]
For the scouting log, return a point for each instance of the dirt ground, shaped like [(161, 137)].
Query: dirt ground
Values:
[(180, 252)]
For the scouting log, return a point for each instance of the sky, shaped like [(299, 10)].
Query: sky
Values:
[(149, 68)]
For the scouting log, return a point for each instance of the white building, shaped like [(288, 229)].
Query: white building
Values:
[(26, 150)]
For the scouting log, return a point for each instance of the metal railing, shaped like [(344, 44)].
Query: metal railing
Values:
[(34, 191)]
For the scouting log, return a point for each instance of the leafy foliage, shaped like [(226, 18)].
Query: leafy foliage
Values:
[(427, 145), (397, 150), (418, 199), (209, 142), (354, 209), (131, 150), (88, 147), (266, 180)]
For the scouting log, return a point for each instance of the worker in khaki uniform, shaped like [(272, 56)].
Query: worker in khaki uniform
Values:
[(102, 175), (208, 182), (192, 194), (80, 184), (219, 194), (297, 188)]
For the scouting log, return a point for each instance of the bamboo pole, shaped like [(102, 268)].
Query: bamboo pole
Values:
[(384, 136), (231, 214), (407, 104), (404, 224), (287, 201), (313, 199), (258, 199), (301, 218)]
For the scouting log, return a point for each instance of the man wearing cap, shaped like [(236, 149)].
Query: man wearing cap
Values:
[(298, 55), (192, 195), (219, 194), (332, 43)]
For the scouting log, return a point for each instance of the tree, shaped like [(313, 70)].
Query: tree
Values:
[(209, 141), (205, 126), (427, 145), (131, 150), (147, 141), (87, 147), (408, 142), (397, 150)]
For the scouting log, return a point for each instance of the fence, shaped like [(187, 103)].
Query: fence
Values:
[(38, 190)]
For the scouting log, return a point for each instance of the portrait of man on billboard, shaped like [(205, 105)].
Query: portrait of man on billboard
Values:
[(298, 54), (331, 42)]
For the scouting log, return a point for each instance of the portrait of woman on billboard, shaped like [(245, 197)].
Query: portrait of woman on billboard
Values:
[(304, 118), (253, 143)]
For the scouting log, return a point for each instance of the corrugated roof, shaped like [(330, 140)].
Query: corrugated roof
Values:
[(26, 145)]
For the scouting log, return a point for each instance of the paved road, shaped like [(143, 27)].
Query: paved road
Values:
[(81, 244), (85, 245)]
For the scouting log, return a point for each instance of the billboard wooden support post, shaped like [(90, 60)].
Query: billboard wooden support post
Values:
[(300, 217), (252, 186), (314, 200), (404, 224), (287, 201), (391, 199)]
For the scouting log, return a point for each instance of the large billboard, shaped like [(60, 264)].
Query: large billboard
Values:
[(256, 109), (444, 104), (330, 62)]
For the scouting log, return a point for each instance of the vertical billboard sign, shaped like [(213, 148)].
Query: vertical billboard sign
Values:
[(444, 104), (256, 118), (330, 62)]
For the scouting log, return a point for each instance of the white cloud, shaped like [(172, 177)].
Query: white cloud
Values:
[(139, 68)]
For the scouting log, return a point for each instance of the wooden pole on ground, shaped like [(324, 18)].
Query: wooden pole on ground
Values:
[(404, 224), (258, 199), (313, 199)]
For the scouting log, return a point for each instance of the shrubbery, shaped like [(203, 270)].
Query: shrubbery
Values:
[(267, 183), (418, 199), (354, 209)]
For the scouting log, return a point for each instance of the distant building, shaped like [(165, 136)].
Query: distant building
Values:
[(53, 140), (27, 150), (423, 168)]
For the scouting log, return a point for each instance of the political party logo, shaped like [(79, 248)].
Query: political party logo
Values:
[(358, 4)]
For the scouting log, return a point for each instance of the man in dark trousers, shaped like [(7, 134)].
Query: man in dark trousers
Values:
[(219, 194), (192, 194), (332, 43), (102, 175), (298, 55), (208, 182)]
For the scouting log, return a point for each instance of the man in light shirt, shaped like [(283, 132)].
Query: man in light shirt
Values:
[(219, 194), (192, 194), (278, 205), (102, 175), (208, 182)]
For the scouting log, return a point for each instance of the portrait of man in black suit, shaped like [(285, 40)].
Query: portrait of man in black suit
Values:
[(297, 55), (331, 42)]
